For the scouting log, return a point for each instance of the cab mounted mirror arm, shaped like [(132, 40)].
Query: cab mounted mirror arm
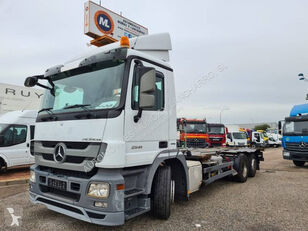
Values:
[(33, 81)]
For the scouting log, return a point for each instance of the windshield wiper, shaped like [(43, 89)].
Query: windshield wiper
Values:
[(83, 106), (48, 110)]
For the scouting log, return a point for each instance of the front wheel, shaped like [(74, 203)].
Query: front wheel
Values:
[(299, 163), (161, 193)]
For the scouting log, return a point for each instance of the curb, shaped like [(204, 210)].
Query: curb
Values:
[(14, 182)]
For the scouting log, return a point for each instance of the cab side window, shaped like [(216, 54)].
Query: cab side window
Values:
[(159, 93)]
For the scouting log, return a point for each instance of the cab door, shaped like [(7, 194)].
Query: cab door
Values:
[(147, 137)]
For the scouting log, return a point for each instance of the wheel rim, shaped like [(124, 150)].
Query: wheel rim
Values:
[(172, 191), (253, 163), (245, 170)]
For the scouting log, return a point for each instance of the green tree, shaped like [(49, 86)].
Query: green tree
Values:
[(262, 127)]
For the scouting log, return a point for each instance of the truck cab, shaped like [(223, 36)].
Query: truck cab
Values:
[(217, 135), (16, 133), (295, 135), (257, 139), (192, 133), (237, 139)]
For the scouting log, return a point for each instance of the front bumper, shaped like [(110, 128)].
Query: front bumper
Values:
[(91, 216), (74, 201), (298, 156)]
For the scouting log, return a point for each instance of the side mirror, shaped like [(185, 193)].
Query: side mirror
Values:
[(280, 125), (147, 88), (31, 81)]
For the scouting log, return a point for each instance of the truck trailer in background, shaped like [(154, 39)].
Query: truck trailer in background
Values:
[(295, 135)]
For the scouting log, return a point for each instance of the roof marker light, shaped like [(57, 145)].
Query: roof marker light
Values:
[(124, 42)]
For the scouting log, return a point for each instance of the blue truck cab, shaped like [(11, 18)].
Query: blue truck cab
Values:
[(295, 135)]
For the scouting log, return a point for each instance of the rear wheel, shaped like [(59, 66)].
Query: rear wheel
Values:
[(252, 166), (161, 193), (299, 163), (253, 145), (241, 166)]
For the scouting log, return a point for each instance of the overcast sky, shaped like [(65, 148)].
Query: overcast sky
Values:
[(254, 50)]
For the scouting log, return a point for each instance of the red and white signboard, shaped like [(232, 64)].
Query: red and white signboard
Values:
[(100, 21)]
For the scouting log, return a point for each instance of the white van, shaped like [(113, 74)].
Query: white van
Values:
[(237, 138), (16, 133)]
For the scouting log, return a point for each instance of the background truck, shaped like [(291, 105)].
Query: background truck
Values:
[(237, 138), (295, 135), (192, 133), (217, 135), (16, 133), (105, 141)]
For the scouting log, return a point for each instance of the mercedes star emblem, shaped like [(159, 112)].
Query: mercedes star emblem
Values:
[(59, 155), (302, 145)]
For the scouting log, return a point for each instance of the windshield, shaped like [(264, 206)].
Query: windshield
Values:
[(239, 135), (195, 128), (216, 130), (298, 127), (99, 89)]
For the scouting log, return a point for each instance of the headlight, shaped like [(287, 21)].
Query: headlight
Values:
[(99, 190), (286, 154), (32, 176)]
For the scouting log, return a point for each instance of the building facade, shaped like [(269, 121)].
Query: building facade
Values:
[(14, 98)]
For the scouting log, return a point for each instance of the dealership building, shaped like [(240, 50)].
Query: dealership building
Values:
[(14, 98)]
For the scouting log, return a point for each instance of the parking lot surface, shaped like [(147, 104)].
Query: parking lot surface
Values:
[(275, 199)]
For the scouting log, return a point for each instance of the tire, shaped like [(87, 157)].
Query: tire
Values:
[(299, 163), (161, 193), (253, 145), (252, 166), (241, 166), (3, 166)]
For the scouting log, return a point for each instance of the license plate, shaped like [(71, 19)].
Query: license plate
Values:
[(57, 184)]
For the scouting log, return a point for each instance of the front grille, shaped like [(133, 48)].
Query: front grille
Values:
[(69, 145), (69, 173), (218, 139), (69, 159), (196, 143), (297, 147)]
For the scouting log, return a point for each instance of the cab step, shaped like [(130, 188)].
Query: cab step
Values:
[(133, 192)]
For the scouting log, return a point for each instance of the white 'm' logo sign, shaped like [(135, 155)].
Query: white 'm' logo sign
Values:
[(104, 22)]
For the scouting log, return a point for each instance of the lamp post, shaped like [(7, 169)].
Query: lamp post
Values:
[(223, 109), (302, 77)]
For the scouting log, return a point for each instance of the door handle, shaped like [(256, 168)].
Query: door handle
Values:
[(28, 145), (163, 144)]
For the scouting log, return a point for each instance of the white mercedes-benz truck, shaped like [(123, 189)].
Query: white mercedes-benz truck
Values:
[(105, 142)]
